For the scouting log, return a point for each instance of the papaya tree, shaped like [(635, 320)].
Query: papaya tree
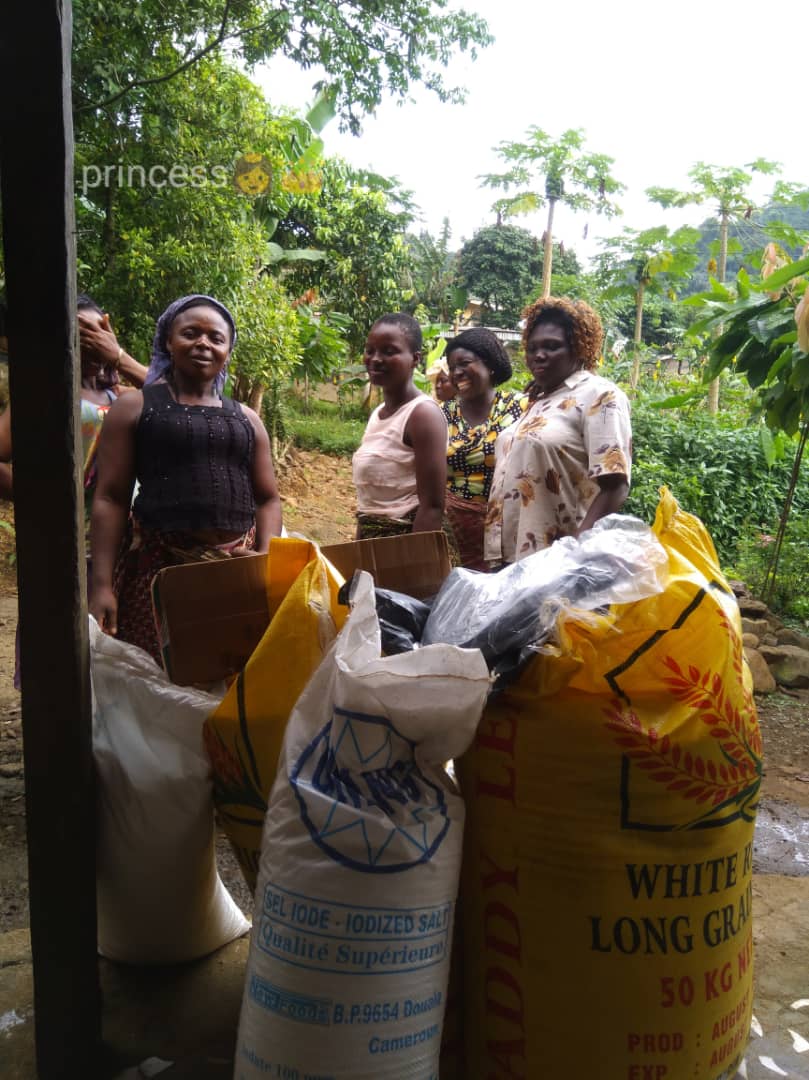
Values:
[(728, 189), (646, 262), (544, 172)]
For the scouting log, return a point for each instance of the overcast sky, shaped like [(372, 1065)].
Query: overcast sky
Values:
[(657, 87)]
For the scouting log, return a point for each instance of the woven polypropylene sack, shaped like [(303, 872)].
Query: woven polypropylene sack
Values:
[(243, 737), (160, 898), (349, 959), (606, 887)]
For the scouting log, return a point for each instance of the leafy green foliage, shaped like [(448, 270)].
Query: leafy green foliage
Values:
[(499, 266), (325, 427), (639, 263), (124, 52), (142, 244), (716, 470), (359, 221), (547, 171), (432, 279), (543, 168), (268, 346), (751, 563), (323, 343), (759, 339), (784, 224)]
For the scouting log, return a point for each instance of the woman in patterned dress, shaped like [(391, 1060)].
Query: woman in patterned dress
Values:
[(567, 463), (478, 364)]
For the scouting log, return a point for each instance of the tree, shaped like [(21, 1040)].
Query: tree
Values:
[(567, 276), (498, 266), (766, 339), (359, 220), (651, 261), (170, 218), (786, 225), (268, 345), (432, 276), (126, 52), (566, 174), (728, 188)]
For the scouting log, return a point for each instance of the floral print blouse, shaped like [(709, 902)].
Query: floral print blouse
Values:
[(547, 464), (470, 450)]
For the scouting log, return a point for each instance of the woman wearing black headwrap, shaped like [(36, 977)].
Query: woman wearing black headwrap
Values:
[(203, 464), (478, 364)]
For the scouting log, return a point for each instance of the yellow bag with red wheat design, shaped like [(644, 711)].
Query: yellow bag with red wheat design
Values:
[(243, 737), (610, 801)]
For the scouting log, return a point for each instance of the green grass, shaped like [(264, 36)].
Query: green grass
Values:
[(323, 428)]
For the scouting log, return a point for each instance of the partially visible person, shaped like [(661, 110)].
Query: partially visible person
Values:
[(567, 462), (97, 392), (3, 358), (400, 467), (98, 339), (203, 463), (99, 388), (440, 383), (478, 364)]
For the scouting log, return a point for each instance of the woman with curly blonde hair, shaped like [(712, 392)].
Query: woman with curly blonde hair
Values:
[(567, 462)]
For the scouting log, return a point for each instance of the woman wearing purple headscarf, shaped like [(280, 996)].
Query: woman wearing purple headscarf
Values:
[(203, 466)]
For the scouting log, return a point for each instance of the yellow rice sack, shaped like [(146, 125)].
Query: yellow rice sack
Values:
[(611, 799), (243, 737)]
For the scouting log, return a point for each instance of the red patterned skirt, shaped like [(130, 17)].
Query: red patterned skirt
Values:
[(467, 519), (150, 551)]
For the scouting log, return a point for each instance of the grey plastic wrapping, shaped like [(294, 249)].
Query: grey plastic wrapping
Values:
[(509, 614)]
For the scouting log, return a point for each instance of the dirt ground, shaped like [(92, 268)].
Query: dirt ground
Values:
[(319, 502)]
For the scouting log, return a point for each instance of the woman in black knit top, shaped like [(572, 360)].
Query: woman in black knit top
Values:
[(203, 466)]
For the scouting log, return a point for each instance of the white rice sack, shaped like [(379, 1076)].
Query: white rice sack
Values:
[(160, 898), (349, 957)]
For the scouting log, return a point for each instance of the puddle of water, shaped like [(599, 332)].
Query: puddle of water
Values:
[(781, 844), (11, 1020)]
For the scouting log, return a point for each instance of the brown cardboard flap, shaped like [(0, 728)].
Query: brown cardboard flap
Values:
[(212, 615), (415, 563)]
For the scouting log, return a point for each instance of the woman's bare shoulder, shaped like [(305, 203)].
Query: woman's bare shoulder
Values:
[(126, 408)]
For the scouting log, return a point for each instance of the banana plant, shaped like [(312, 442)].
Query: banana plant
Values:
[(765, 337), (302, 151)]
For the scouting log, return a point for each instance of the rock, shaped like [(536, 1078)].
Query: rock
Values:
[(763, 680), (752, 608), (750, 641), (739, 588), (10, 772), (770, 639), (786, 636), (759, 627), (789, 664)]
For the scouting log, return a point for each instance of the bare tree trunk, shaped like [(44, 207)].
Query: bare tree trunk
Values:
[(713, 389), (547, 255), (108, 231), (256, 396), (634, 377), (768, 590)]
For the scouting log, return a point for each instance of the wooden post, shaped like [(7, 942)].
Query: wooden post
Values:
[(36, 171)]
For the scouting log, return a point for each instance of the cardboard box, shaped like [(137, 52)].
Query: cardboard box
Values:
[(415, 564), (212, 615)]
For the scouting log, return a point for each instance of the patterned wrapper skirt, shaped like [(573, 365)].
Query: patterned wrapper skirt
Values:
[(148, 552), (373, 526), (467, 519)]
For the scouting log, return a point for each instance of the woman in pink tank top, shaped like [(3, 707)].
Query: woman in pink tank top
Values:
[(400, 468)]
